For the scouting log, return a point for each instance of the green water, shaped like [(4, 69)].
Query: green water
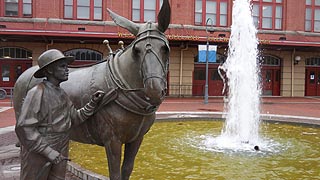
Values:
[(177, 151)]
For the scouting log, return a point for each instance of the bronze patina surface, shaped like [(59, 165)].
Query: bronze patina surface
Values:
[(137, 73), (46, 118)]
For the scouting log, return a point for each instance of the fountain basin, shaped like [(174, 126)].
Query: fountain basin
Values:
[(179, 150)]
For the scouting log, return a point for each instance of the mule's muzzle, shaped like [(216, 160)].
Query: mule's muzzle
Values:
[(155, 90)]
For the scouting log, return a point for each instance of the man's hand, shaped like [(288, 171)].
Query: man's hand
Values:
[(97, 96), (58, 159), (55, 157)]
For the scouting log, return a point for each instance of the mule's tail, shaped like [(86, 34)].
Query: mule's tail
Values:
[(24, 83)]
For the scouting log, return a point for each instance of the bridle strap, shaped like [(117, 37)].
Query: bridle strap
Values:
[(152, 75), (120, 83), (123, 85)]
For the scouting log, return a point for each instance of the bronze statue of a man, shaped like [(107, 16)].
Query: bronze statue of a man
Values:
[(47, 115)]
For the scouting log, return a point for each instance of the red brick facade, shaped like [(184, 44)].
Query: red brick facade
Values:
[(47, 19)]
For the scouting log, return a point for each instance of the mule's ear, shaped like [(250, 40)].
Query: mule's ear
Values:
[(164, 16), (124, 22)]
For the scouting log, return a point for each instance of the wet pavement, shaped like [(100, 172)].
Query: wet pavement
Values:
[(298, 110)]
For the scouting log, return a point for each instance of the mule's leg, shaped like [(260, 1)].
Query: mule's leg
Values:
[(113, 150), (130, 152)]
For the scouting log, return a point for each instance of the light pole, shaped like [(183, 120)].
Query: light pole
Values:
[(206, 95)]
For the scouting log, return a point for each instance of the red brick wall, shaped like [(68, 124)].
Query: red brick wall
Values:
[(182, 11), (48, 9), (182, 14), (295, 15)]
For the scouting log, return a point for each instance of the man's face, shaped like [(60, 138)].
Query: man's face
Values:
[(60, 71)]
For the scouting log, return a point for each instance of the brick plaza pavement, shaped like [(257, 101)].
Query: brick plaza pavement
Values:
[(301, 106)]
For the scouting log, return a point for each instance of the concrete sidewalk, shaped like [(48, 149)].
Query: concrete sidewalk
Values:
[(300, 110)]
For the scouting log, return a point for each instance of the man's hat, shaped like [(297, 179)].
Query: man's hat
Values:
[(47, 58)]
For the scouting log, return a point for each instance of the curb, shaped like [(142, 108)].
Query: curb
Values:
[(177, 115), (84, 174)]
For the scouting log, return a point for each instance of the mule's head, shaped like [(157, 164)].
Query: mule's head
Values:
[(150, 50)]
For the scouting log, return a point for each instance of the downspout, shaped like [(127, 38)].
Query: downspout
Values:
[(184, 47), (47, 46), (292, 70)]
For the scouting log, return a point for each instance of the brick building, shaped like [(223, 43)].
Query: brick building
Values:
[(288, 32)]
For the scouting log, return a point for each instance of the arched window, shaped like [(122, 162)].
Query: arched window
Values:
[(313, 61), (84, 54), (15, 53), (269, 60)]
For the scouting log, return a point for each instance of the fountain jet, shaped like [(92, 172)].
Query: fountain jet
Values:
[(242, 104)]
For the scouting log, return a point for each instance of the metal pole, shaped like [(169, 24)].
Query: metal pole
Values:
[(206, 94)]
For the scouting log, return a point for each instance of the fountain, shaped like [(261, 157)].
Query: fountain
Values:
[(179, 150), (241, 67)]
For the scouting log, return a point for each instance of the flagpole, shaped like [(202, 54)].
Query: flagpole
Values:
[(206, 94)]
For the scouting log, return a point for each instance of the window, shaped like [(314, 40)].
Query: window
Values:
[(5, 72), (215, 76), (145, 10), (97, 9), (267, 14), (18, 8), (313, 61), (217, 10), (27, 8), (11, 8), (84, 54), (15, 53), (83, 9), (269, 60), (199, 74), (312, 16), (68, 8)]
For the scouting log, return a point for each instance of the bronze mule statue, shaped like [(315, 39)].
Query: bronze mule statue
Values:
[(138, 75)]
